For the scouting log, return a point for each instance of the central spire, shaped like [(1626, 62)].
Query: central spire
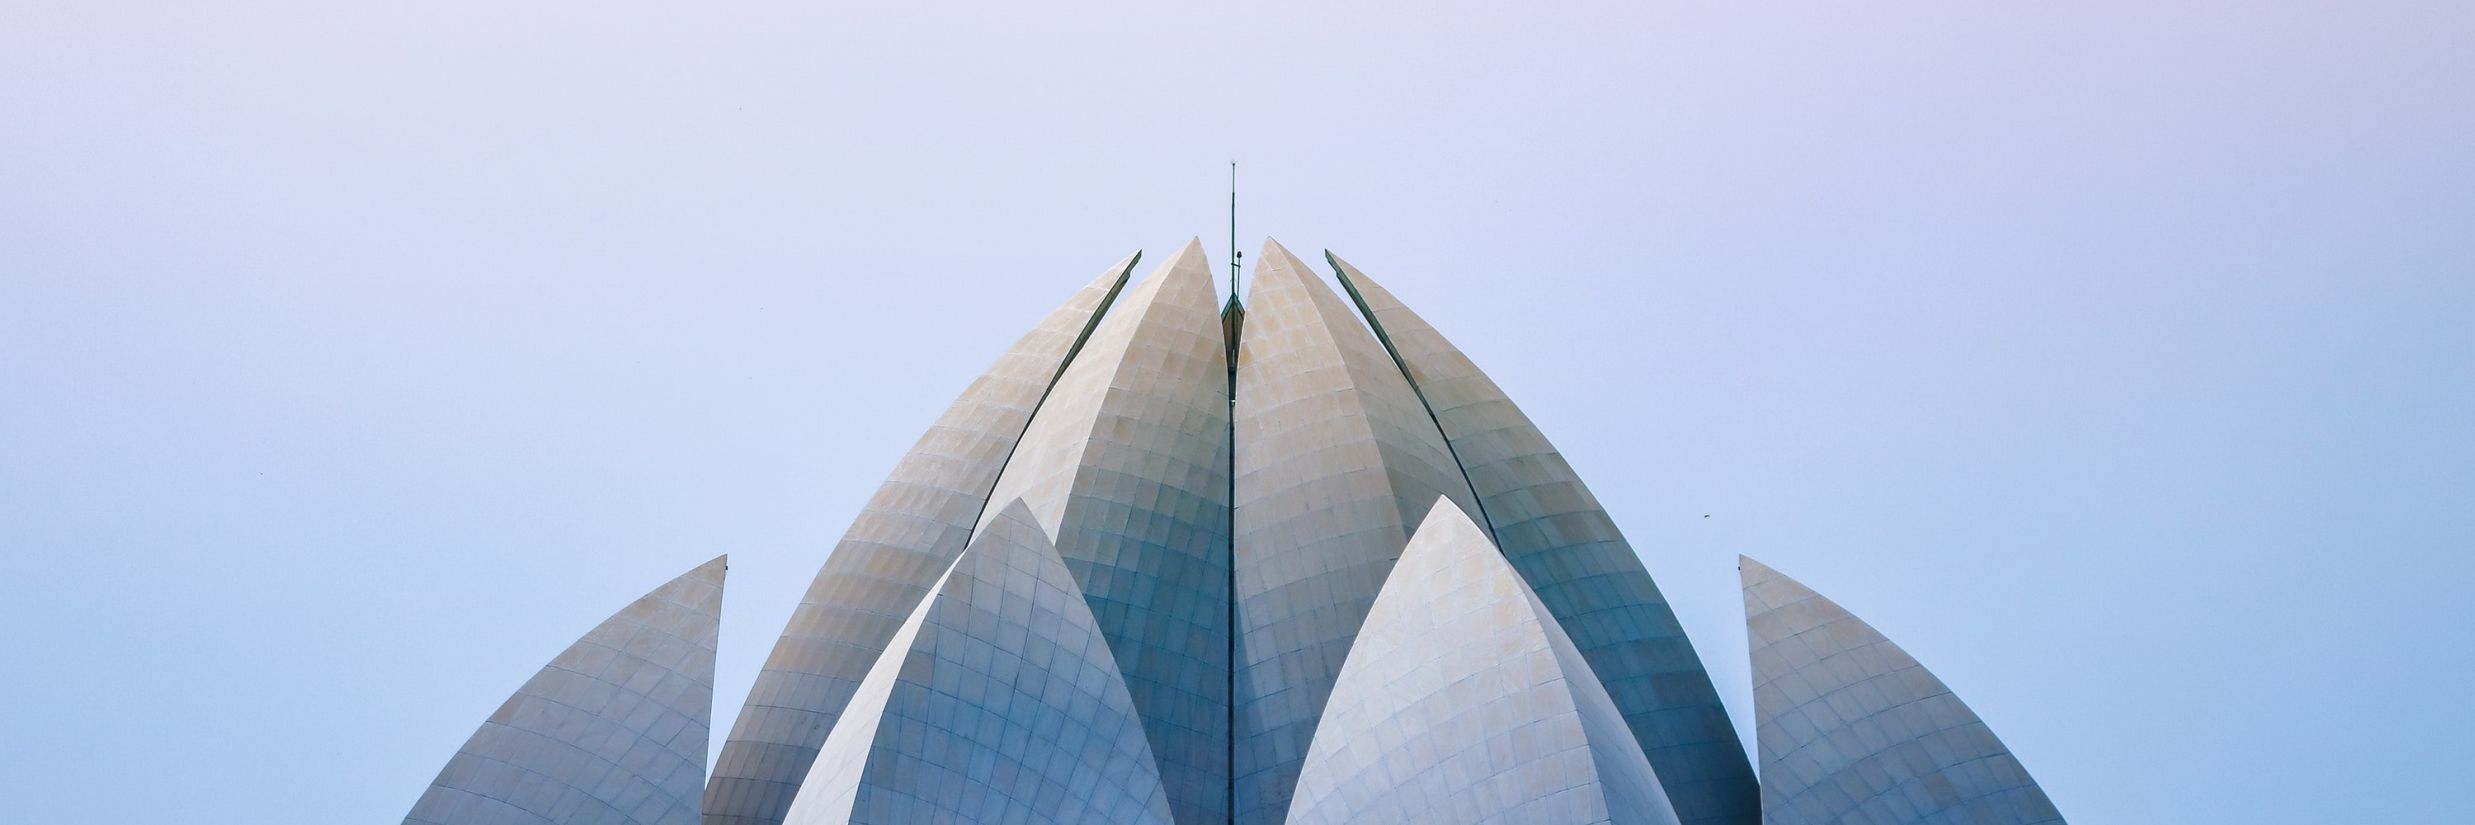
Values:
[(1236, 256)]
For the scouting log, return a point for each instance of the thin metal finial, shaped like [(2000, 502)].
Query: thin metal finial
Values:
[(1235, 256)]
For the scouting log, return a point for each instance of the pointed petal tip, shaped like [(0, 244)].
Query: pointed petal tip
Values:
[(1018, 508), (1752, 571), (1191, 251), (1115, 277), (1011, 524), (1278, 258), (1447, 524), (1189, 256), (1275, 264), (1018, 519), (1352, 280), (1191, 267), (1445, 512), (712, 568)]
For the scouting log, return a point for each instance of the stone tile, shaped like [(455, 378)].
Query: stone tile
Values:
[(913, 528), (1853, 729), (1566, 547), (613, 731)]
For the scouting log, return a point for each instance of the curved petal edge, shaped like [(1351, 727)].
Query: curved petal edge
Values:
[(1853, 729), (907, 535), (998, 701), (1463, 701), (614, 730), (1555, 532)]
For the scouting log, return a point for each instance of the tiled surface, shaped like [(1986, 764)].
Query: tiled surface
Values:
[(1563, 543), (1201, 605), (1336, 462), (1126, 466), (1464, 702), (611, 732), (1852, 729), (997, 702), (908, 534)]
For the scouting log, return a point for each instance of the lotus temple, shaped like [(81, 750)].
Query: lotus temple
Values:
[(1183, 558)]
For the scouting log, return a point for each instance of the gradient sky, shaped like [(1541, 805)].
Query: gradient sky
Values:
[(2116, 358)]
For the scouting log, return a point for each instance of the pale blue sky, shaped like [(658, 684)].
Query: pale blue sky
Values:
[(2118, 358)]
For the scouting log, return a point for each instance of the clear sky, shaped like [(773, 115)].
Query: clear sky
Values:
[(2117, 358)]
